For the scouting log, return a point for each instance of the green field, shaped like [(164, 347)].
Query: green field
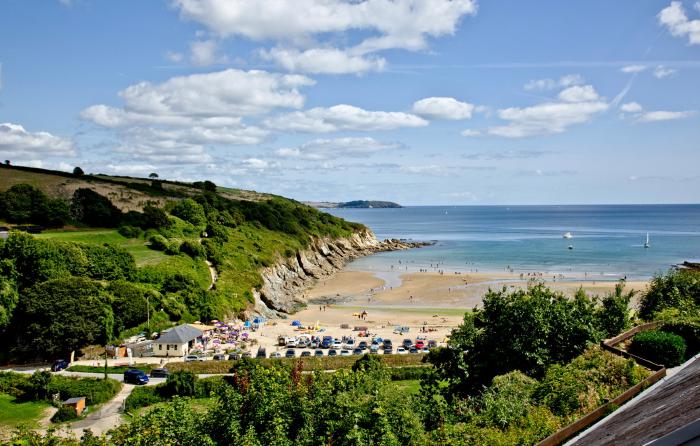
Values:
[(200, 405), (411, 386), (135, 246), (112, 369), (14, 414)]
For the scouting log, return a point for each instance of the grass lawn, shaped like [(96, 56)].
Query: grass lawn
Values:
[(112, 369), (411, 386), (13, 414), (135, 246)]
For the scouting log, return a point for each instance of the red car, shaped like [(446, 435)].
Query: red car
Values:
[(419, 345)]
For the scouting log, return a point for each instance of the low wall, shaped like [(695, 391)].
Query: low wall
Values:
[(601, 411)]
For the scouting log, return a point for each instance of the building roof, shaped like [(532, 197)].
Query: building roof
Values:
[(74, 400), (670, 405), (179, 335)]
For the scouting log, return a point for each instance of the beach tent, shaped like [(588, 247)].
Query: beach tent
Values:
[(296, 323), (258, 320), (247, 324)]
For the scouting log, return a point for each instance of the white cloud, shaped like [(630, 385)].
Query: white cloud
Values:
[(585, 93), (470, 132), (631, 107), (443, 108), (577, 105), (259, 164), (343, 117), (131, 169), (323, 60), (661, 72), (205, 52), (551, 84), (209, 99), (633, 68), (174, 56), (323, 149), (662, 115), (426, 169), (18, 143), (673, 17)]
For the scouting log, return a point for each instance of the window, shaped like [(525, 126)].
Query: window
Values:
[(160, 346)]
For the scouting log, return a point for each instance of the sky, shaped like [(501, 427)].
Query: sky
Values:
[(416, 101)]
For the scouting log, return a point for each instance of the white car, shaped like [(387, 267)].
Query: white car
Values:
[(291, 343), (192, 358), (401, 351), (349, 344), (337, 345)]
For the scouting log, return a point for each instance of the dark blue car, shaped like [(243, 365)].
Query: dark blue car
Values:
[(135, 376), (59, 364)]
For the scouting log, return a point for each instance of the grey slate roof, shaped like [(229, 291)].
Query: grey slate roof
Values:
[(74, 400), (179, 335)]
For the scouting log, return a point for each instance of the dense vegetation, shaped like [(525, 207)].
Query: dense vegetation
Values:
[(660, 347), (676, 293), (66, 290), (43, 385)]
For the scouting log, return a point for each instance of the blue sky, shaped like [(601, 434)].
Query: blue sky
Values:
[(420, 102)]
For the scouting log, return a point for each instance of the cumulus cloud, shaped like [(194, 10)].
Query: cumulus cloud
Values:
[(663, 115), (506, 155), (633, 68), (342, 117), (576, 105), (16, 142), (661, 72), (323, 149), (551, 84), (217, 98), (443, 108), (470, 133), (631, 107), (323, 60), (674, 19), (426, 169), (206, 52), (174, 56), (389, 24)]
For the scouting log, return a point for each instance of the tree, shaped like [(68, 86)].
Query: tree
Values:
[(7, 162), (153, 175), (23, 203), (613, 316), (93, 209), (154, 217), (678, 291), (56, 317), (131, 303), (78, 172), (8, 301), (190, 211)]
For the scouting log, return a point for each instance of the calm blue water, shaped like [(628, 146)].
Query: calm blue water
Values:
[(607, 240)]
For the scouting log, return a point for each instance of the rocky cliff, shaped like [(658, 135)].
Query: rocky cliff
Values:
[(285, 282)]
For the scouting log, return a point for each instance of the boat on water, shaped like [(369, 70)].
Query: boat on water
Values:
[(568, 235), (571, 247), (646, 243)]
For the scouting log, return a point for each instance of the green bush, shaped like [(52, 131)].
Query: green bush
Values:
[(180, 383), (95, 390), (677, 290), (158, 242), (64, 413), (689, 330), (192, 249), (130, 231), (143, 396), (405, 373), (659, 347)]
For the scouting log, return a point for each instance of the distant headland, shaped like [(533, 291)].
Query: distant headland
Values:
[(356, 204)]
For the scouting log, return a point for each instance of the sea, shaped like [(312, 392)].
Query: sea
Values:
[(607, 241)]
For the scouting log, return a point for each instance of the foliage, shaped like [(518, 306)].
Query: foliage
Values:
[(613, 316), (95, 391), (58, 316), (78, 172), (130, 303), (92, 209), (23, 203), (154, 217), (130, 231), (678, 289), (8, 300), (660, 347), (143, 396), (64, 413), (192, 249), (181, 383), (190, 211), (689, 330)]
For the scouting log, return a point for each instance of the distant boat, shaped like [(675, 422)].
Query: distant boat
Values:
[(571, 246), (568, 235), (646, 244)]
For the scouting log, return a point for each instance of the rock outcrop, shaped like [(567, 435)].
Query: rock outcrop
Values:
[(285, 282)]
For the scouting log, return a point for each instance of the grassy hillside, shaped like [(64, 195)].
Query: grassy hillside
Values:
[(120, 244)]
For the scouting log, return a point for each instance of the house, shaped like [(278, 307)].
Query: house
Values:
[(78, 403), (176, 341)]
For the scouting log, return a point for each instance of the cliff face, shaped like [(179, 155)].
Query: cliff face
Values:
[(285, 282)]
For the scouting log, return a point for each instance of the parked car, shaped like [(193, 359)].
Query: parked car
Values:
[(387, 343), (314, 344), (281, 341), (345, 352), (305, 353), (349, 344), (262, 353), (413, 350), (291, 343), (425, 350), (135, 376), (247, 355), (374, 348), (357, 351), (318, 352), (401, 351), (327, 342), (275, 355), (234, 356), (191, 358), (388, 350), (160, 373), (290, 353), (332, 352), (337, 344), (432, 343), (362, 345), (407, 343), (59, 364), (219, 357), (419, 344)]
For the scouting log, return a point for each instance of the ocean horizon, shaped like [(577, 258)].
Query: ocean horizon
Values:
[(607, 241)]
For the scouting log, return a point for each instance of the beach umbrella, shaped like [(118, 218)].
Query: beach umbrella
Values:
[(296, 323)]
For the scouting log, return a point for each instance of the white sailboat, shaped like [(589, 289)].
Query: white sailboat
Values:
[(646, 244), (568, 235)]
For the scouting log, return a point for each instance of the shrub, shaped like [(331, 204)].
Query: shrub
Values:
[(130, 231), (659, 347), (677, 289), (192, 249), (689, 330), (95, 391), (64, 413), (158, 242), (180, 383), (143, 396), (406, 373)]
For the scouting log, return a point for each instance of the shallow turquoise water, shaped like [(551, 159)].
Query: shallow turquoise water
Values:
[(607, 240)]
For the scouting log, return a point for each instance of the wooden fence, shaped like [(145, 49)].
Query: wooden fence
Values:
[(601, 411)]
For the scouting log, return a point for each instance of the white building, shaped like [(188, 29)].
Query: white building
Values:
[(176, 341)]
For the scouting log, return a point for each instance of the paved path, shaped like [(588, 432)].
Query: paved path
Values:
[(107, 417)]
